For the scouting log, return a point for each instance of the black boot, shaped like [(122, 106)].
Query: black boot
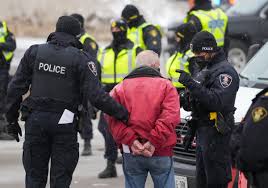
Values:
[(109, 171), (87, 148)]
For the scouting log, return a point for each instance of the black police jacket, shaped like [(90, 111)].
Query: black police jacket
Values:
[(217, 92), (60, 76), (253, 151)]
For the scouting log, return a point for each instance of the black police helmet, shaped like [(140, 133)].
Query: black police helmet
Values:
[(119, 23), (79, 17), (186, 31), (130, 12), (68, 24), (204, 41)]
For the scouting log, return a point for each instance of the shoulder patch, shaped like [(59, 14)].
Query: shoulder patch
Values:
[(258, 114), (225, 80), (153, 33), (92, 67)]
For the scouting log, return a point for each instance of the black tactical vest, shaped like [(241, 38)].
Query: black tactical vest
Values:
[(53, 75)]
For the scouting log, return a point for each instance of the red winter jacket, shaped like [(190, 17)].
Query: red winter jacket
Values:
[(153, 104)]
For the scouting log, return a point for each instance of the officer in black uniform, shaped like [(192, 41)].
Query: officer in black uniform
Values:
[(212, 94), (87, 112), (7, 47), (61, 77), (250, 142), (89, 43), (146, 35)]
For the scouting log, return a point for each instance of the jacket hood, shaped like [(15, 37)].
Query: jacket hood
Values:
[(64, 39)]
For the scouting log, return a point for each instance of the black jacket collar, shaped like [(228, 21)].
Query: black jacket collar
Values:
[(144, 71), (64, 39), (218, 58)]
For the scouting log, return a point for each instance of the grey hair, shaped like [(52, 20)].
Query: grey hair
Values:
[(148, 58)]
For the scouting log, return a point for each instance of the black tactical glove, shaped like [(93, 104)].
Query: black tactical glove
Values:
[(14, 130), (185, 77)]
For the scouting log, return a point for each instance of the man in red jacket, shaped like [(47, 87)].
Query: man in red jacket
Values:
[(148, 139)]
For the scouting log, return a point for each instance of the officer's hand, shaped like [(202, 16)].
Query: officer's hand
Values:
[(185, 78), (94, 113), (14, 130), (148, 149)]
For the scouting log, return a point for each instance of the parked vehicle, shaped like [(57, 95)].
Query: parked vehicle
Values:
[(248, 24)]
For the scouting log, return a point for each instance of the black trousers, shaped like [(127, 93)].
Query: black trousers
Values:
[(86, 127), (213, 158), (46, 140), (110, 145), (259, 180), (4, 79)]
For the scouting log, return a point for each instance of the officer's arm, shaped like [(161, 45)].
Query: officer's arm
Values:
[(91, 47), (10, 44), (93, 91), (218, 95), (195, 21), (20, 83), (121, 133), (152, 39)]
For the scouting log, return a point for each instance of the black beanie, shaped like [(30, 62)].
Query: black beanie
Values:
[(68, 24), (201, 2), (186, 31), (129, 12), (204, 41), (80, 18)]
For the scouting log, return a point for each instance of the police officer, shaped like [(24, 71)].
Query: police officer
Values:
[(212, 93), (117, 60), (7, 47), (89, 43), (251, 140), (205, 18), (87, 111), (61, 77), (179, 60), (142, 33)]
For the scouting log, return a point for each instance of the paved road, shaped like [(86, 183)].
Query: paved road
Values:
[(85, 176)]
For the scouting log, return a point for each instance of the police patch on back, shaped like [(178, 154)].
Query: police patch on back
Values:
[(258, 114), (92, 67), (225, 80), (51, 68)]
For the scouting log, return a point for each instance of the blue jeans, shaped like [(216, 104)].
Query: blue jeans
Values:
[(136, 169)]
